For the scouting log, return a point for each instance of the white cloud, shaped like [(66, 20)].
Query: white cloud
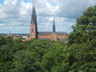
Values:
[(17, 14), (1, 25), (51, 18), (92, 2)]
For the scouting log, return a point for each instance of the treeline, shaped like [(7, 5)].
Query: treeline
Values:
[(78, 55)]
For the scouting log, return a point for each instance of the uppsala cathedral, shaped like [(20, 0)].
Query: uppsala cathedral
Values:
[(34, 34)]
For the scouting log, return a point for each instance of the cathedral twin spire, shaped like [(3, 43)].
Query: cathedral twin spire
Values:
[(34, 34), (34, 19)]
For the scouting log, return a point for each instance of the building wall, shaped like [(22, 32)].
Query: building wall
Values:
[(62, 37), (33, 31), (44, 37), (53, 37)]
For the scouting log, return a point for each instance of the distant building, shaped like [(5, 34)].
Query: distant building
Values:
[(34, 34), (15, 35)]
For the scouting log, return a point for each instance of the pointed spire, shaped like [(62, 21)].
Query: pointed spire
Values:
[(54, 24), (34, 17)]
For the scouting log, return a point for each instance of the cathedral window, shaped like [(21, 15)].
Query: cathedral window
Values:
[(32, 30)]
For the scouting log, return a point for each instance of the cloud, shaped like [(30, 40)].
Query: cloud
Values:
[(1, 25), (16, 14), (92, 2)]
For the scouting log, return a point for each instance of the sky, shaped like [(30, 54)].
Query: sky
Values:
[(15, 15)]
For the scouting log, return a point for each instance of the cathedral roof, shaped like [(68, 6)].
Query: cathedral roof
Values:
[(60, 33), (50, 33), (44, 33)]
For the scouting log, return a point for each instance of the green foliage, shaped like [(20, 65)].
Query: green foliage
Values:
[(2, 40), (29, 60), (85, 29), (83, 42), (84, 57), (6, 54), (55, 59), (79, 55)]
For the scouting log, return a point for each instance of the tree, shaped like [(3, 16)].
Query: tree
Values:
[(56, 59), (82, 58), (2, 40), (83, 43), (29, 59), (6, 54), (85, 29)]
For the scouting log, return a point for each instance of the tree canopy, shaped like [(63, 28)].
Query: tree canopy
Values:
[(85, 29), (78, 55)]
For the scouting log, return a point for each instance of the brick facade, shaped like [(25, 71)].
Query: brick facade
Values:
[(33, 31), (34, 34)]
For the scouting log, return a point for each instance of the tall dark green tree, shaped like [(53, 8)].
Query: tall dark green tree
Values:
[(6, 54), (83, 42), (2, 40), (85, 29)]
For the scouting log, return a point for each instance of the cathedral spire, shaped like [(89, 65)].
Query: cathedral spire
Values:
[(54, 25), (34, 17), (33, 27)]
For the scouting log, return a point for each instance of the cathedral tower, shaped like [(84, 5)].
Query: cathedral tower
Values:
[(33, 27), (54, 25), (54, 32)]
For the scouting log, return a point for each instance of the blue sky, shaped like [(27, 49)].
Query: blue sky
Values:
[(52, 3), (2, 1), (26, 0), (15, 15)]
